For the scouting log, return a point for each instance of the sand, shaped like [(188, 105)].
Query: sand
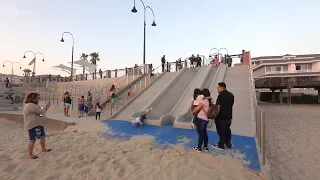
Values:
[(293, 141), (89, 155)]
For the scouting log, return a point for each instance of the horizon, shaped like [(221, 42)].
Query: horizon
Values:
[(193, 27)]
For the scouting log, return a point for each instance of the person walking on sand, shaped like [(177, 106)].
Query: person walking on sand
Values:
[(34, 122), (223, 120), (98, 111), (202, 120), (82, 102)]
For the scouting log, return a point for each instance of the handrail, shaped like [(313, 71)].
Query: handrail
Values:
[(103, 92), (258, 115), (122, 96)]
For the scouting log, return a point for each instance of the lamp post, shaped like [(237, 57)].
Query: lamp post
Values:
[(12, 63), (134, 10), (33, 60), (218, 51), (62, 40)]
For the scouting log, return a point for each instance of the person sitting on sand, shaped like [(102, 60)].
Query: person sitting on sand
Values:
[(34, 123), (138, 122)]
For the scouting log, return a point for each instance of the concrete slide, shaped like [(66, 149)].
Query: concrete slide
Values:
[(183, 103), (168, 98), (143, 98), (238, 82), (215, 76)]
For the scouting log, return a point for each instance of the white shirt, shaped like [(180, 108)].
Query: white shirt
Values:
[(198, 99), (137, 120)]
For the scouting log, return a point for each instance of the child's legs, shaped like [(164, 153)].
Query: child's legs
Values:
[(96, 115), (43, 143), (30, 147), (99, 115)]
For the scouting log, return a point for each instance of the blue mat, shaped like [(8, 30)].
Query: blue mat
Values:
[(166, 135)]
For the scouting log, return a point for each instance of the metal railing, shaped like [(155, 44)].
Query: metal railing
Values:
[(121, 83), (124, 98), (258, 116)]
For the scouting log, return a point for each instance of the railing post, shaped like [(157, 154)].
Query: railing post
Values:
[(145, 82), (263, 147), (140, 85)]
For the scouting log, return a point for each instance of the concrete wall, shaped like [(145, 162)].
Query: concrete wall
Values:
[(315, 66)]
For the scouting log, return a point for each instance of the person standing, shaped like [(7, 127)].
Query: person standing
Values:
[(163, 62), (7, 82), (223, 120), (82, 102), (34, 123), (67, 103), (241, 58), (229, 60), (202, 121), (216, 61), (198, 61)]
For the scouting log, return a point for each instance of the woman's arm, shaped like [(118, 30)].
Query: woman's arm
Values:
[(197, 109), (38, 110), (191, 105)]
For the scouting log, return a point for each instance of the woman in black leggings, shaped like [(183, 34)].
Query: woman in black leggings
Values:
[(202, 120)]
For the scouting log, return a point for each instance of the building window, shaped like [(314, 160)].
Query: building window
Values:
[(302, 67), (276, 68)]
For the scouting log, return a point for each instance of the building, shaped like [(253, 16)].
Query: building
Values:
[(287, 72)]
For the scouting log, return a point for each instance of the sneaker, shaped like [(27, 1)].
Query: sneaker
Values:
[(196, 149), (217, 147), (205, 149), (228, 146), (193, 126)]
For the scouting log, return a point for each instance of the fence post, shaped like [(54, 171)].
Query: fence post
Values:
[(263, 132)]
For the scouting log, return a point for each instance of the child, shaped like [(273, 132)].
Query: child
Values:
[(113, 99), (197, 97), (138, 122), (129, 92), (81, 106), (98, 110)]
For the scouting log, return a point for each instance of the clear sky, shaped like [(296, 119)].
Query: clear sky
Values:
[(184, 27)]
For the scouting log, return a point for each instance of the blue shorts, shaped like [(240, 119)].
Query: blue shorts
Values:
[(81, 107), (36, 133)]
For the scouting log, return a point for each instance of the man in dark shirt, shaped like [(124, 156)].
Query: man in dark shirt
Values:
[(163, 62), (223, 120), (198, 60)]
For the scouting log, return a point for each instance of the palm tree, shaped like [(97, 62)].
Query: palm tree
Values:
[(84, 56), (26, 72), (93, 60)]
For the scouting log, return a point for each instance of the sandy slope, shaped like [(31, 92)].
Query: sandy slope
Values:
[(87, 155), (293, 141)]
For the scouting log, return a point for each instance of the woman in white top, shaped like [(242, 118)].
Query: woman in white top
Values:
[(197, 97)]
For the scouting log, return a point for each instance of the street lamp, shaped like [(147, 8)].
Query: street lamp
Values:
[(134, 10), (34, 59), (62, 40), (12, 63)]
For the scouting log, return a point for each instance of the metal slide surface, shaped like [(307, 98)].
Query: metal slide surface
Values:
[(185, 115), (144, 98), (169, 99)]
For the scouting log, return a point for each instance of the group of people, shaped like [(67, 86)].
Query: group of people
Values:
[(225, 60), (204, 110), (195, 61)]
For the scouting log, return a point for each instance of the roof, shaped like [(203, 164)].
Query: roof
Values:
[(279, 57)]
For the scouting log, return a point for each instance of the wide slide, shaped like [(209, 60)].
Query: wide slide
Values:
[(182, 108), (144, 97), (168, 98)]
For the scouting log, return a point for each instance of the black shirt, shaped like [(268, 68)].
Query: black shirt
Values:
[(163, 60), (67, 100), (225, 100)]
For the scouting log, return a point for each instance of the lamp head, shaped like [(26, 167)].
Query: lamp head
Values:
[(43, 60), (20, 67), (153, 23), (24, 56), (3, 65), (62, 40), (134, 10)]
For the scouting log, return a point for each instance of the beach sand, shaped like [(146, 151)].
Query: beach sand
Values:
[(88, 155), (293, 141)]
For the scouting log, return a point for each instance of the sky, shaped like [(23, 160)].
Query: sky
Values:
[(184, 27)]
